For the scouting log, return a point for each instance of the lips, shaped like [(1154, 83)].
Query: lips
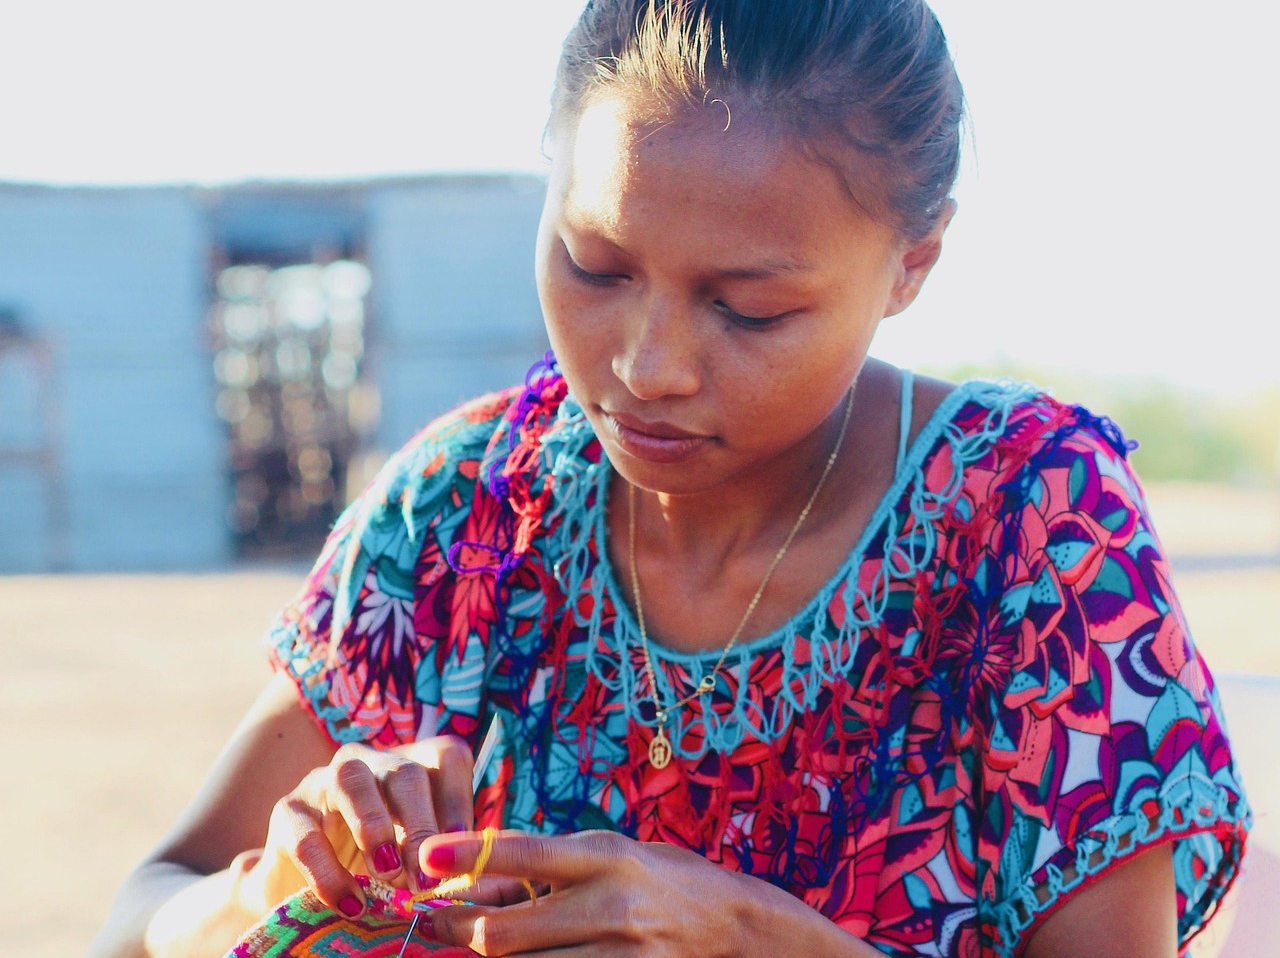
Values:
[(657, 429), (653, 440)]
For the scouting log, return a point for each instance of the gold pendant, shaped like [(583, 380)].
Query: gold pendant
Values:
[(660, 749)]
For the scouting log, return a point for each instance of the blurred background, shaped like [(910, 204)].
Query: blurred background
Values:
[(248, 248)]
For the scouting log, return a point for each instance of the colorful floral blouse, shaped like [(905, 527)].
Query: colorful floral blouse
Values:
[(991, 703)]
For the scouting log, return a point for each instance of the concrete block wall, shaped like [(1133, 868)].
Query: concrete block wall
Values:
[(455, 307), (115, 280)]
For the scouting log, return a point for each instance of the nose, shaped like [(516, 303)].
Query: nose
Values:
[(659, 355)]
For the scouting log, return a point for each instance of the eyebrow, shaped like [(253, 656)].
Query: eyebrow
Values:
[(762, 270), (766, 269)]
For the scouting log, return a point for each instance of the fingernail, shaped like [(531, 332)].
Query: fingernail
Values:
[(350, 906), (425, 881), (454, 829), (426, 926), (386, 858), (441, 858)]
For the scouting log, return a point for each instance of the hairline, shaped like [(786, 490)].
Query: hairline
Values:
[(815, 138)]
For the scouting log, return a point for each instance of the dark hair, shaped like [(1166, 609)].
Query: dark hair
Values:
[(875, 73)]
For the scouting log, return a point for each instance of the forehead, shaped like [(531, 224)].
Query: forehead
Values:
[(705, 167)]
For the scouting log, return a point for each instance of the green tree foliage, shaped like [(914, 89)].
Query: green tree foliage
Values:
[(1183, 434)]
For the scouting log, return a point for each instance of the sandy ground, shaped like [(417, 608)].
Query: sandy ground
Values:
[(104, 675)]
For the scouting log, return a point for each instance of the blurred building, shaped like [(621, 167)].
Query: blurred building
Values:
[(195, 377)]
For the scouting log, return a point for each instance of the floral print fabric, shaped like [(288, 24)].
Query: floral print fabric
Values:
[(992, 702)]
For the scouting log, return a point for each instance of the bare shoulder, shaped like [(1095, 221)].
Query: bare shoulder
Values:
[(879, 393), (928, 394)]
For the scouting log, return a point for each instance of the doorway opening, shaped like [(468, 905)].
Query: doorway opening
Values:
[(288, 343)]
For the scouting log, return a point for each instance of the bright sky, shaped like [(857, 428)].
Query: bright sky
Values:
[(1117, 211)]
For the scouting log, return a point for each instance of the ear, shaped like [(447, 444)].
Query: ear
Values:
[(917, 259)]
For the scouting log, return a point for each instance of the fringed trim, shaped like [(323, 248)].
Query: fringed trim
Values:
[(1222, 825), (512, 477), (581, 485)]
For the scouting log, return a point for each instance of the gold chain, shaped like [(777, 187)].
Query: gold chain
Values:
[(660, 749)]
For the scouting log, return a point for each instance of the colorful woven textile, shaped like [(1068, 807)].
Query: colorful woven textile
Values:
[(304, 927), (993, 700)]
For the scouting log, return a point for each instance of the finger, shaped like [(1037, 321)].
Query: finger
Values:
[(550, 858), (430, 794), (407, 788), (296, 831), (486, 931), (566, 920), (354, 792), (502, 890), (447, 760)]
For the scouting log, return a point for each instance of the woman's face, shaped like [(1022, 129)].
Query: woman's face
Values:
[(710, 293)]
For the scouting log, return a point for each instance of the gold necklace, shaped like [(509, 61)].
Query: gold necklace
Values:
[(660, 749)]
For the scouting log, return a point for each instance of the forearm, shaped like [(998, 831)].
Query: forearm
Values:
[(165, 910), (775, 923)]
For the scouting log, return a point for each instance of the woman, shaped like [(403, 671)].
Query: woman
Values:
[(795, 652)]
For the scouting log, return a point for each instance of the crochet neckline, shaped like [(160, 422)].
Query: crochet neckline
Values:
[(919, 451)]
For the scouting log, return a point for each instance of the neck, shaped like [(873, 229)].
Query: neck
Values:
[(753, 511)]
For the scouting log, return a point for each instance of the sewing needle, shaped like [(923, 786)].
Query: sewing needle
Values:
[(483, 757)]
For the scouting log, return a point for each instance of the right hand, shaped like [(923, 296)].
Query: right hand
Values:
[(366, 811)]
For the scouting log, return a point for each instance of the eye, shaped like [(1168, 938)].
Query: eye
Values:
[(748, 322), (586, 276)]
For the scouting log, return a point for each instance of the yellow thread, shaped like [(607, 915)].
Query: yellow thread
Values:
[(452, 887)]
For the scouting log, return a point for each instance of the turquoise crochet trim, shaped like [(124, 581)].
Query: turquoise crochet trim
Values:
[(1184, 818), (311, 677), (581, 492)]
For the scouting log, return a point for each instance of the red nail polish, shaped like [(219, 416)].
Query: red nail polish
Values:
[(426, 927), (350, 906), (441, 858), (386, 858)]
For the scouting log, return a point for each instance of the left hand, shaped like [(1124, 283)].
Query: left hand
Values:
[(610, 895)]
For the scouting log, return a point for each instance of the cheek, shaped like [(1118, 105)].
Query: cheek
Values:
[(581, 343), (552, 295), (794, 381), (798, 360)]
